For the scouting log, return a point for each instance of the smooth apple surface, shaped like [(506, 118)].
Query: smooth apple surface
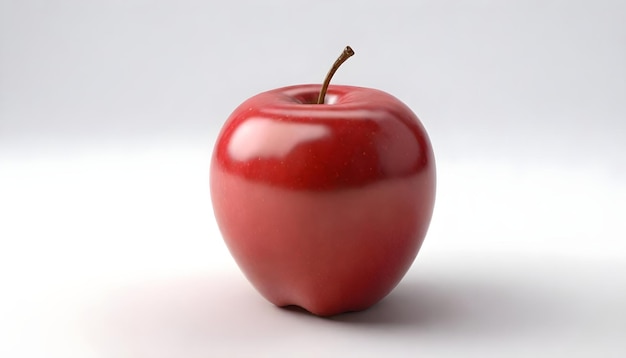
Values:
[(323, 206)]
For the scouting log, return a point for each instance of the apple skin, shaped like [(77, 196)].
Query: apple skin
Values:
[(323, 206)]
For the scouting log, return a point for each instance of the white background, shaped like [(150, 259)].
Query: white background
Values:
[(109, 111)]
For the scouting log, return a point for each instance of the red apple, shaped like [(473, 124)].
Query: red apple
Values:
[(323, 206)]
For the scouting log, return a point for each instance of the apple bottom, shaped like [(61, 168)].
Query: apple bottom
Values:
[(326, 251)]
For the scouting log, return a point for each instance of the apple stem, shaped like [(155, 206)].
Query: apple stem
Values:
[(347, 52)]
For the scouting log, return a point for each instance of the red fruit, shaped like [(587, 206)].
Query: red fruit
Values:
[(323, 206)]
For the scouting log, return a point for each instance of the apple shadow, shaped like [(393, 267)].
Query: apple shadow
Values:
[(205, 312), (464, 306)]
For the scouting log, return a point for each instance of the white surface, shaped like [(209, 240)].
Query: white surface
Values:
[(108, 113), (113, 252)]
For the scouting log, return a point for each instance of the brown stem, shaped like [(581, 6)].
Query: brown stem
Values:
[(347, 52)]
